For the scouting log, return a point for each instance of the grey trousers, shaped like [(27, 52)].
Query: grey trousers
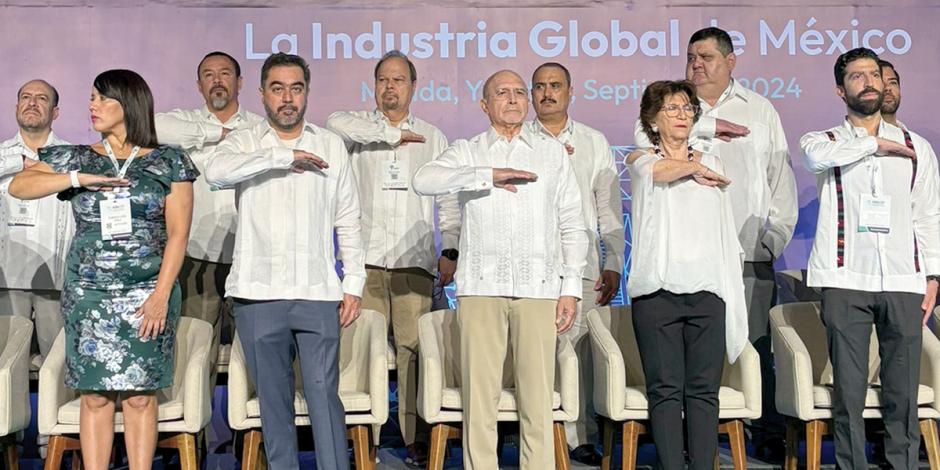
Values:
[(272, 334), (760, 291), (848, 316), (42, 307)]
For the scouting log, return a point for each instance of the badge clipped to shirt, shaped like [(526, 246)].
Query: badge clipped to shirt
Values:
[(874, 214), (24, 213), (116, 206), (395, 174)]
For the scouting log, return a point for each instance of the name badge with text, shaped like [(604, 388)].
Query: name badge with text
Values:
[(874, 214), (395, 174), (116, 217)]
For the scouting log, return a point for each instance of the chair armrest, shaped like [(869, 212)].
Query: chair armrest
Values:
[(14, 377), (52, 390), (610, 376), (744, 376), (930, 366), (794, 370), (430, 371), (378, 365), (197, 396), (566, 362), (239, 386)]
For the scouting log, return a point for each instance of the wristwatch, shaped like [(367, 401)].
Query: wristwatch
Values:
[(450, 253), (933, 277)]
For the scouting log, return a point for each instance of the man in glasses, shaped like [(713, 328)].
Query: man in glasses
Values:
[(517, 286), (387, 146)]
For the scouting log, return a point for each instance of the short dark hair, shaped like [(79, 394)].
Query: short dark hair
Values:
[(556, 65), (655, 95), (281, 59), (238, 68), (847, 58), (719, 35), (55, 93), (885, 64), (130, 89), (396, 54)]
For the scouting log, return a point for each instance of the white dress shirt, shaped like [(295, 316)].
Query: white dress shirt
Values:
[(284, 245), (763, 186), (528, 244), (871, 261), (397, 224), (198, 131), (39, 230), (601, 201), (684, 241)]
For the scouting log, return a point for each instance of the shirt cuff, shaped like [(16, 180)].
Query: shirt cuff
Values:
[(706, 127), (392, 135), (483, 178), (449, 240), (214, 132), (571, 286), (282, 157), (353, 285)]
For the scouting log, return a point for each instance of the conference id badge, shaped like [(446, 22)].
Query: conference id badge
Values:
[(24, 213), (116, 216), (395, 174), (874, 214)]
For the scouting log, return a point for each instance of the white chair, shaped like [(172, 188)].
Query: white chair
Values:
[(620, 388), (804, 378), (363, 389), (183, 408), (439, 400), (15, 335)]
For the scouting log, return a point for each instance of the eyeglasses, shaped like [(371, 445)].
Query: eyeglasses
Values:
[(672, 110)]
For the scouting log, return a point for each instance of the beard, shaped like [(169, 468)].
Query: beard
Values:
[(31, 123), (391, 102), (892, 107), (285, 121), (865, 107), (219, 101)]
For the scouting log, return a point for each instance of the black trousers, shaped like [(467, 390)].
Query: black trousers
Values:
[(681, 338), (849, 316)]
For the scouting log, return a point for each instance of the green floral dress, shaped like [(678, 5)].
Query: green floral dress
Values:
[(106, 281)]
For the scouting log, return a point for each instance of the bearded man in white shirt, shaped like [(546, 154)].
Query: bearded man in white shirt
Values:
[(601, 204), (32, 260), (294, 189), (198, 131), (892, 100), (876, 257), (387, 146), (517, 286)]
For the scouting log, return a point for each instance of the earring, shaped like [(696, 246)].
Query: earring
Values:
[(655, 128)]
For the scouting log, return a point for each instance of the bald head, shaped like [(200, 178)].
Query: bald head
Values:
[(505, 100), (52, 92), (500, 77), (36, 106)]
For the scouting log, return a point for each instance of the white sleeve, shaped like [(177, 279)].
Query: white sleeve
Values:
[(451, 173), (238, 159), (176, 128)]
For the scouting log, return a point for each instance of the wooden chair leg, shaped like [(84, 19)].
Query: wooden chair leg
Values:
[(76, 460), (187, 450), (607, 428), (439, 434), (251, 450), (361, 446), (55, 451), (735, 431), (561, 446), (814, 433), (631, 437), (928, 429), (793, 444)]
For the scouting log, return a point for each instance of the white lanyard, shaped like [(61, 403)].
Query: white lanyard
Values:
[(121, 170)]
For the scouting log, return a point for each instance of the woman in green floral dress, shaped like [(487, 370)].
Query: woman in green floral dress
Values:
[(132, 202)]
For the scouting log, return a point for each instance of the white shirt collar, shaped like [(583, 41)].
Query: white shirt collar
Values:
[(378, 116), (525, 135), (568, 130), (50, 140), (308, 127), (240, 114)]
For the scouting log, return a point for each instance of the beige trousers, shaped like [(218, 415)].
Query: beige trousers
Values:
[(203, 287), (402, 295), (584, 430), (489, 328), (42, 307)]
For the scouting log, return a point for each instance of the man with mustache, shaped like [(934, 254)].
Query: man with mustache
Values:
[(876, 257), (764, 191), (211, 238), (892, 101), (602, 207), (387, 146), (517, 286), (32, 259), (295, 191)]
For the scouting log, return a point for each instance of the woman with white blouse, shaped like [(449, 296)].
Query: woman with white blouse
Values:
[(685, 280)]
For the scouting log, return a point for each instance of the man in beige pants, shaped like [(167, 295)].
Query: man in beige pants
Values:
[(387, 146), (517, 286)]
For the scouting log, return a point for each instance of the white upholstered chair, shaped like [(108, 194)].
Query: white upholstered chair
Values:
[(184, 408), (439, 402), (363, 389), (620, 387), (15, 335)]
